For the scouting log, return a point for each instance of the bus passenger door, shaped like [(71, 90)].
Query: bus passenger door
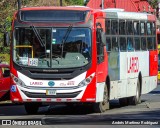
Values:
[(101, 53)]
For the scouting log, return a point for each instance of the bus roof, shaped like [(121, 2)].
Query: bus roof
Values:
[(129, 15), (77, 8)]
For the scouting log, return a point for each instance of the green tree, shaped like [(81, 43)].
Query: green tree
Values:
[(153, 3), (74, 2)]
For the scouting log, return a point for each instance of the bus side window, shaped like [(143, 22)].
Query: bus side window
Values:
[(115, 44), (136, 28), (129, 27), (149, 28), (153, 34), (108, 27), (122, 42), (143, 28), (122, 27), (108, 43), (150, 43), (137, 43), (154, 42), (114, 27), (153, 29), (130, 45), (143, 43)]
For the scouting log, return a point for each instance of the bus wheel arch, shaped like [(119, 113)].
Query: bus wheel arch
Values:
[(134, 100), (103, 106)]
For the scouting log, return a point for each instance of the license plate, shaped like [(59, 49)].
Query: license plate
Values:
[(50, 92)]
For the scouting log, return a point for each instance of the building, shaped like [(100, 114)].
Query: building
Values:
[(127, 5)]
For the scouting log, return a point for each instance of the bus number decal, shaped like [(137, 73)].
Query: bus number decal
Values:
[(132, 65)]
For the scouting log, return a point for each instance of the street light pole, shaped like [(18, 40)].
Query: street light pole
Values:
[(102, 4), (61, 4), (19, 4)]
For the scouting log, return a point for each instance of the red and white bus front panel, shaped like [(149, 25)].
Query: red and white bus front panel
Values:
[(124, 69), (79, 89)]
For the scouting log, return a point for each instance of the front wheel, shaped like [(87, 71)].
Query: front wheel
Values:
[(123, 101), (31, 108), (103, 106)]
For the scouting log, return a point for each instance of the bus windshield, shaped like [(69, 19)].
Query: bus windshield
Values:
[(52, 47)]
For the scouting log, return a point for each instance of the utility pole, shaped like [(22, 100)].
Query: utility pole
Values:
[(115, 3), (61, 4), (19, 4), (102, 4)]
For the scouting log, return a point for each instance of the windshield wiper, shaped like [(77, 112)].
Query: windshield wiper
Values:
[(65, 38), (38, 36)]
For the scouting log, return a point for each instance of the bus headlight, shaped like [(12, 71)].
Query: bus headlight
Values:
[(17, 80), (87, 80)]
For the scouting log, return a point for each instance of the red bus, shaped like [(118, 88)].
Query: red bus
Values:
[(81, 55)]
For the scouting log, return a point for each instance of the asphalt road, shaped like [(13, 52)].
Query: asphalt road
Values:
[(148, 113)]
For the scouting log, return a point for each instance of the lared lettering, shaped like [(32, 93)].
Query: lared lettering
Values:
[(36, 83)]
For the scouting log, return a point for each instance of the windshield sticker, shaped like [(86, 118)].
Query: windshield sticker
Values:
[(33, 62), (23, 60), (47, 51), (54, 30), (53, 41)]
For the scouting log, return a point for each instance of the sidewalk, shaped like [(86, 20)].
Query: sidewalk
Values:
[(5, 102)]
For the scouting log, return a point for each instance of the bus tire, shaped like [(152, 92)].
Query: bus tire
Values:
[(31, 108), (134, 100), (123, 101), (103, 106)]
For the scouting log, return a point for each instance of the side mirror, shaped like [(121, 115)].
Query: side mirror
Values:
[(101, 35), (6, 39), (103, 38)]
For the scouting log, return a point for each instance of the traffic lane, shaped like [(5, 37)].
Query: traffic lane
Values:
[(150, 101), (18, 110), (59, 116), (100, 119), (11, 110), (117, 119), (146, 105), (153, 96)]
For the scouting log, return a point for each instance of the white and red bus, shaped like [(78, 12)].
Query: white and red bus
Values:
[(82, 55)]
